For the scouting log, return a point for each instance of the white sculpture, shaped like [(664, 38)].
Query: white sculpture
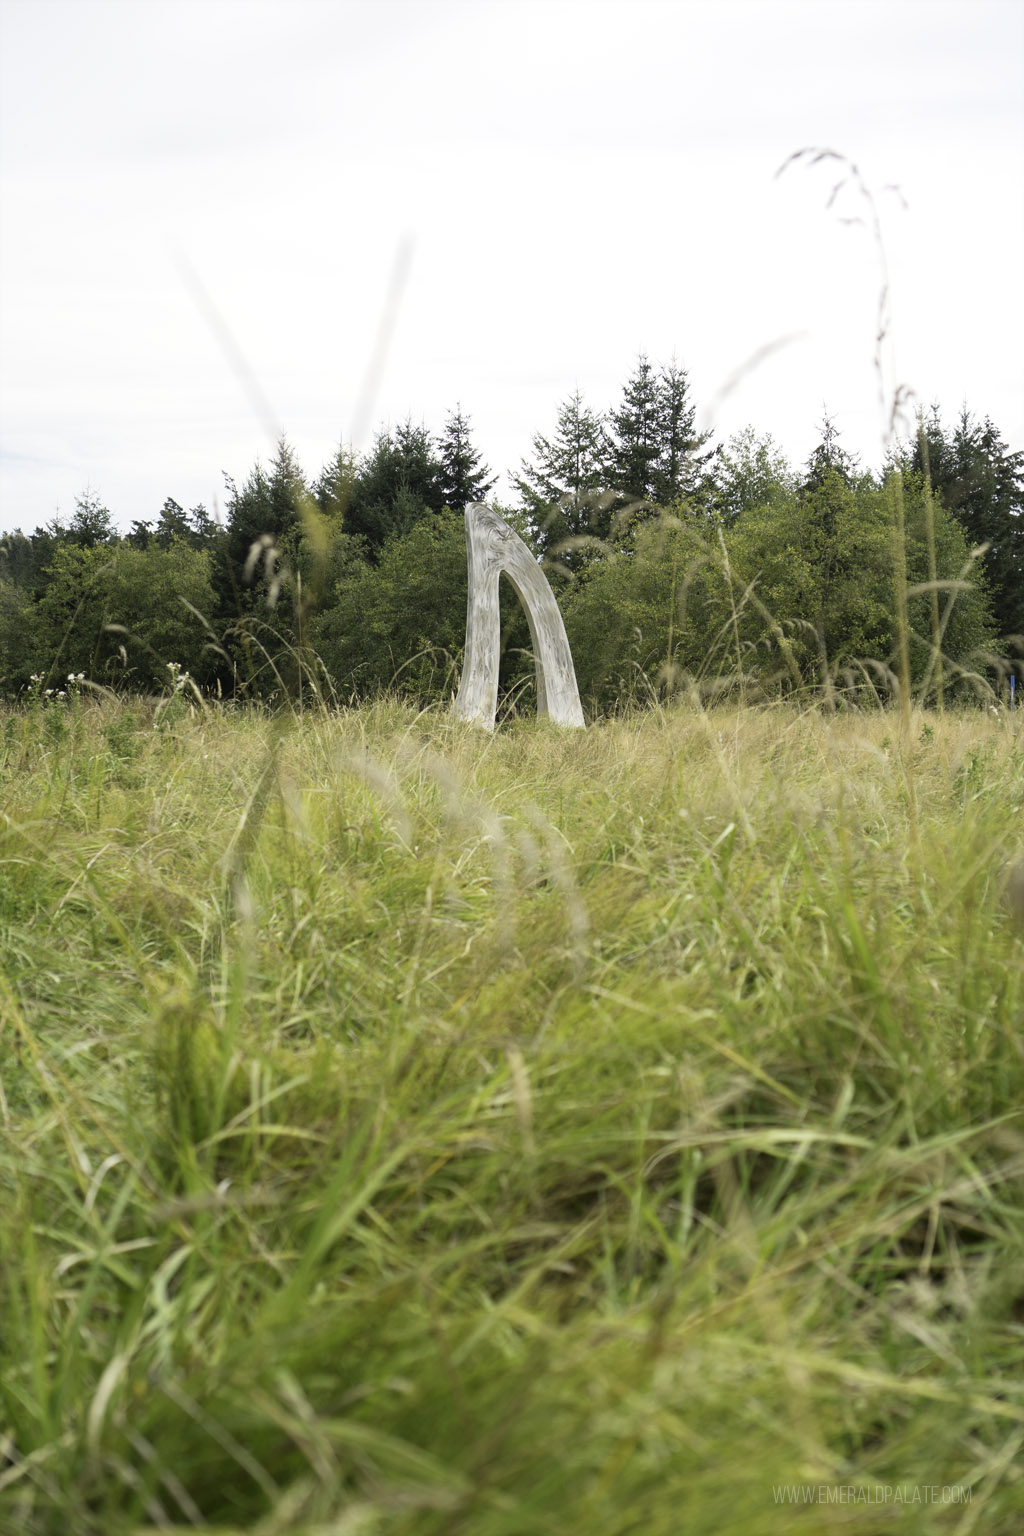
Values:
[(493, 550)]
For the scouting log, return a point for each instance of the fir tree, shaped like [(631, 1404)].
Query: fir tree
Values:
[(171, 524), (828, 457), (333, 488), (91, 523), (681, 469), (563, 490), (635, 436), (979, 480), (287, 486), (464, 479), (397, 484)]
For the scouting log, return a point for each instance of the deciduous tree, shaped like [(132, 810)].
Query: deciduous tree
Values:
[(751, 471)]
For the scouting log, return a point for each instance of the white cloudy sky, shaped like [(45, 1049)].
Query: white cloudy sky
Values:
[(384, 208)]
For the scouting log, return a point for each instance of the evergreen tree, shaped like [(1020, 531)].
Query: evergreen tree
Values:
[(333, 488), (195, 528), (17, 559), (419, 468), (681, 469), (829, 458), (571, 464), (656, 454), (91, 523), (264, 514), (373, 492), (20, 648), (398, 483), (826, 501), (171, 524), (288, 491), (254, 566), (635, 450), (249, 517), (464, 478), (564, 490), (975, 476), (205, 529), (140, 534), (45, 542)]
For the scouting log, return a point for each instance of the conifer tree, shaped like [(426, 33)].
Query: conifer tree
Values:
[(91, 523), (267, 506), (333, 488), (826, 495), (656, 453), (287, 486), (682, 466), (171, 524), (563, 491), (464, 478), (828, 458), (635, 436), (397, 484), (979, 480), (249, 517)]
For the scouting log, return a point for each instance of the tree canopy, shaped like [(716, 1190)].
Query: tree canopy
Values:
[(677, 564)]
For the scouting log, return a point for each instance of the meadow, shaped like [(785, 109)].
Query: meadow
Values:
[(406, 1131)]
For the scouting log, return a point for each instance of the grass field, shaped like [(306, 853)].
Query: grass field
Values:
[(405, 1130)]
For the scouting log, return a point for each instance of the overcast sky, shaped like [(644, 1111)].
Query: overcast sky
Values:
[(220, 219)]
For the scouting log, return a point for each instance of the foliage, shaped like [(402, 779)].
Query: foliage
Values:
[(401, 621), (635, 436), (118, 613), (751, 472), (655, 452), (800, 593), (73, 612), (828, 579), (640, 623), (20, 646), (400, 483), (159, 598), (464, 477), (564, 491), (823, 569), (981, 482), (195, 527), (334, 487)]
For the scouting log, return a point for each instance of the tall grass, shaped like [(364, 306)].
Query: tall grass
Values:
[(406, 1130)]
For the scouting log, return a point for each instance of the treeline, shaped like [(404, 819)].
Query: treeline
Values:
[(677, 563)]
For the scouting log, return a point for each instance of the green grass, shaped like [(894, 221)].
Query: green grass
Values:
[(410, 1131)]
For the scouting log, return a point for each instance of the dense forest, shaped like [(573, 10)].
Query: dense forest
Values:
[(677, 563)]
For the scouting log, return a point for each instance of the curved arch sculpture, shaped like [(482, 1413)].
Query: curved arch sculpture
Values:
[(494, 550)]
